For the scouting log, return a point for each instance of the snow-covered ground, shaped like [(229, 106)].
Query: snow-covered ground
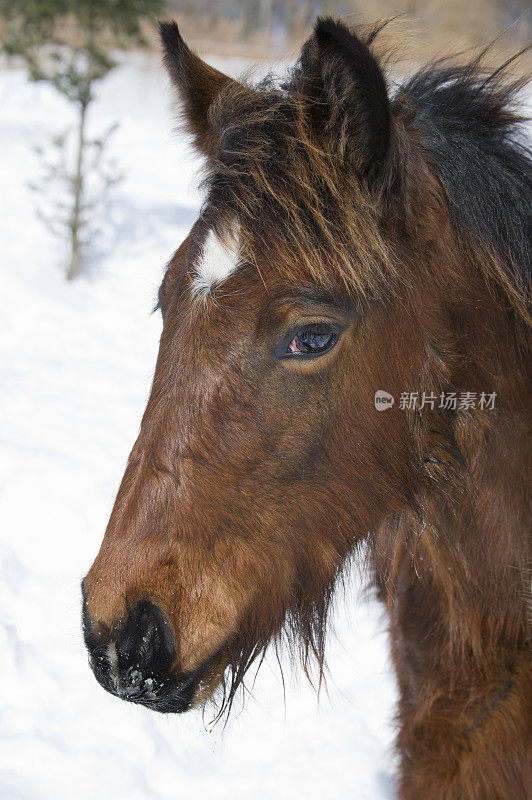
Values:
[(75, 367)]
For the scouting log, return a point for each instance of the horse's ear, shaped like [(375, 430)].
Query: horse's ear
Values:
[(198, 85), (347, 93)]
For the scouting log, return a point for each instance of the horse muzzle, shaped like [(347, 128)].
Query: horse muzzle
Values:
[(135, 664)]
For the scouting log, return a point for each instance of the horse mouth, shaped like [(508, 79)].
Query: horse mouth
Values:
[(174, 694), (183, 691), (171, 693), (168, 692)]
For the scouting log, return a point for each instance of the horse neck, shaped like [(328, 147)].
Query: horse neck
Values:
[(461, 546)]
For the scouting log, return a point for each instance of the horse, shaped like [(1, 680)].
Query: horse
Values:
[(344, 367)]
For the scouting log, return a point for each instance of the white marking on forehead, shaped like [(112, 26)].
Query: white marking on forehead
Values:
[(217, 261)]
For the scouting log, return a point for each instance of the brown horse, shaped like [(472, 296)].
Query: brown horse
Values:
[(345, 358)]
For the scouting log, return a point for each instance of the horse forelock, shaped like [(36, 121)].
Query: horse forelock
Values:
[(304, 212), (298, 211)]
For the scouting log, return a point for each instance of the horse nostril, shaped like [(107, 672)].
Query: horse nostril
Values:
[(137, 664), (144, 648)]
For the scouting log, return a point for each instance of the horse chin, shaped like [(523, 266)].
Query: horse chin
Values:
[(183, 692), (210, 679)]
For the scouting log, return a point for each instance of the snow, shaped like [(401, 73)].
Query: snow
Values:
[(75, 364)]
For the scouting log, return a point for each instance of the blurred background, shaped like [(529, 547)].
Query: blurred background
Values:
[(98, 190), (277, 25)]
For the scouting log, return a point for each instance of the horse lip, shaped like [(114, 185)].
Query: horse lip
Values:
[(175, 694)]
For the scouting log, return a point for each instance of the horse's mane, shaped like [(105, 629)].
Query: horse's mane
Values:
[(472, 133)]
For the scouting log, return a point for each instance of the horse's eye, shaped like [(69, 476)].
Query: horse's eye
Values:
[(311, 340)]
